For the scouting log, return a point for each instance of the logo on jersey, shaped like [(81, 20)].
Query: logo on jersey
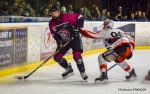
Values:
[(47, 37), (64, 34)]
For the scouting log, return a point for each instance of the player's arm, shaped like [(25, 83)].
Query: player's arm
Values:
[(79, 26), (90, 34), (80, 22)]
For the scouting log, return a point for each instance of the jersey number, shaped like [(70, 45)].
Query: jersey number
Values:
[(116, 34)]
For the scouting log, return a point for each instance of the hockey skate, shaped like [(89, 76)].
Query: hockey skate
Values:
[(68, 72), (84, 76), (132, 75), (147, 77), (103, 77)]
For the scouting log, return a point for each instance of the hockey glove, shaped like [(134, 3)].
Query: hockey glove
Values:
[(76, 32)]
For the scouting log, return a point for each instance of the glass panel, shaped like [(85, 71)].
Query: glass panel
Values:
[(92, 10)]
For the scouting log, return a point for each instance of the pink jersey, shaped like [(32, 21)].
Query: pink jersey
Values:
[(64, 18)]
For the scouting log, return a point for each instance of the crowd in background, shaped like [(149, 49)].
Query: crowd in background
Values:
[(16, 9), (92, 13)]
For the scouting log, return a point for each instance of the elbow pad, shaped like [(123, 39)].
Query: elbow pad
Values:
[(80, 22)]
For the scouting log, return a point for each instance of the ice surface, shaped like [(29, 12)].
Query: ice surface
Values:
[(48, 80)]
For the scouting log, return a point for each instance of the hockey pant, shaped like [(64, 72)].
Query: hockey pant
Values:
[(119, 55)]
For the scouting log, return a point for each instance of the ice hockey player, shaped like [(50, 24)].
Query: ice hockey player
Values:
[(119, 48), (63, 27), (148, 76)]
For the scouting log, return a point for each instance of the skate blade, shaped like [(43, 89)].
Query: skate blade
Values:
[(132, 79), (71, 74), (85, 79), (101, 82)]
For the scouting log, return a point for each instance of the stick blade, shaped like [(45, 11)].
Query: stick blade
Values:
[(20, 77)]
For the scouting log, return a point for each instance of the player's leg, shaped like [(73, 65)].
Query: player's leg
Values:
[(123, 53), (77, 51), (103, 59), (63, 62), (126, 67)]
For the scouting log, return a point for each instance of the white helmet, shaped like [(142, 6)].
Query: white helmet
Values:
[(108, 24)]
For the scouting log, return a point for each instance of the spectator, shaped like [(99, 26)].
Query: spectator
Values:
[(29, 11), (115, 18), (95, 12), (58, 4), (49, 6), (125, 18), (139, 16), (70, 9), (131, 17), (22, 4), (5, 9), (144, 16), (20, 11), (119, 13), (108, 15), (103, 17), (46, 12), (141, 9), (45, 7), (86, 13), (63, 9), (14, 9), (81, 11)]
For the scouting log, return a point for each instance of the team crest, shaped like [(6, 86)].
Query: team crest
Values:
[(64, 34)]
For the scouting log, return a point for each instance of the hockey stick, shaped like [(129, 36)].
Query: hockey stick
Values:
[(25, 77), (111, 67)]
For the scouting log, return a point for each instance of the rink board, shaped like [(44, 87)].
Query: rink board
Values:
[(32, 66), (39, 47)]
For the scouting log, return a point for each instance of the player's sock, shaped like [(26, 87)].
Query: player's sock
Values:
[(62, 62), (80, 66), (124, 65), (103, 67)]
